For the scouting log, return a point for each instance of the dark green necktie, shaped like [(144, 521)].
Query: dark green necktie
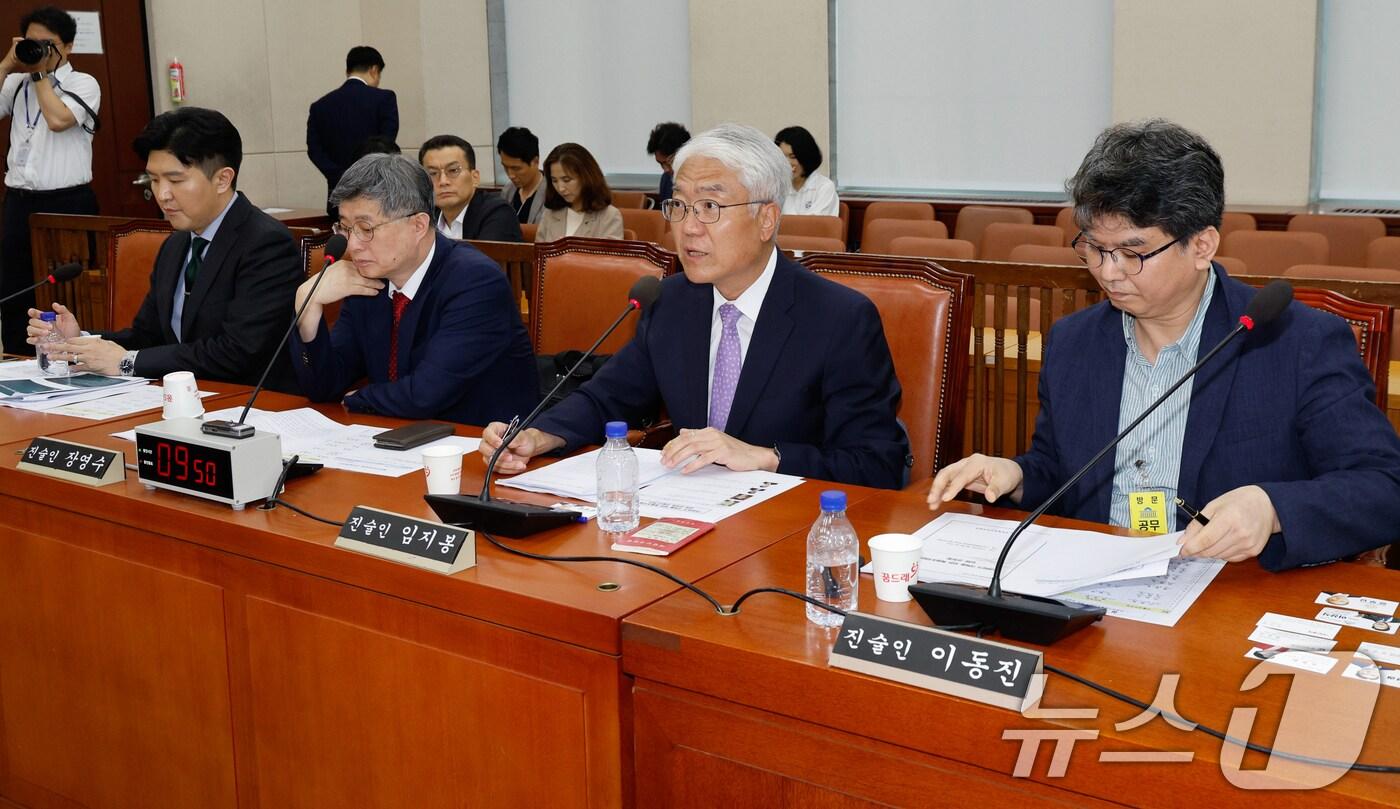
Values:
[(192, 268)]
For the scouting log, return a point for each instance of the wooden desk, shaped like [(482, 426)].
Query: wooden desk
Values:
[(163, 650), (744, 711)]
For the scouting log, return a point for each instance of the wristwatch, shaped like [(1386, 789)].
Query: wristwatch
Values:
[(128, 364)]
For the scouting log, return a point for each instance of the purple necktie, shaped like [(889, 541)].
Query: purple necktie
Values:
[(728, 363)]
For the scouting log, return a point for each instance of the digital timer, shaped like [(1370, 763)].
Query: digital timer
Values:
[(174, 454)]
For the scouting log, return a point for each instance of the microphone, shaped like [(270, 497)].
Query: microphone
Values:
[(509, 518), (61, 274), (335, 248), (1046, 620)]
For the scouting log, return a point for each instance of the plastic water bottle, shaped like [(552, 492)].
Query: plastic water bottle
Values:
[(50, 366), (833, 566), (617, 481)]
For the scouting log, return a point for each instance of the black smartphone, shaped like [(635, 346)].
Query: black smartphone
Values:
[(412, 435)]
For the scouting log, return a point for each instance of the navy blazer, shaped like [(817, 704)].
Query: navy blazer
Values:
[(463, 353), (817, 383), (340, 121), (1289, 407), (236, 313)]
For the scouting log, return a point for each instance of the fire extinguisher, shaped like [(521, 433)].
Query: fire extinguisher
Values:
[(177, 81)]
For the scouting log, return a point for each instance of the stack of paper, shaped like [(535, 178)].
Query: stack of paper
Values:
[(38, 392), (709, 494)]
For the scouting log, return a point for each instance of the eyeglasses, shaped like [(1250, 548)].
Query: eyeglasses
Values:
[(453, 172), (364, 232), (1129, 262), (706, 210)]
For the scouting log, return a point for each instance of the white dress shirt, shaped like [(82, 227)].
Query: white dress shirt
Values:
[(816, 197), (749, 303), (41, 159), (414, 281), (453, 229)]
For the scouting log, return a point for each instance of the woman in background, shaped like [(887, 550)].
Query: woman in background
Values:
[(812, 193), (577, 200)]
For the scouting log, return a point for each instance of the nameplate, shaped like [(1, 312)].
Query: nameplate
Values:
[(947, 662), (409, 540), (77, 463)]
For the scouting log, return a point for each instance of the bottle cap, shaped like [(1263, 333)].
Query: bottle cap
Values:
[(833, 501), (48, 317), (615, 429)]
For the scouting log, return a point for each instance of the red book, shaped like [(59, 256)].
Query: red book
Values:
[(663, 537)]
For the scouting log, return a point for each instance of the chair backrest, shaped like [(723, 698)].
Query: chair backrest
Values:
[(527, 231), (1325, 271), (581, 285), (1347, 236), (876, 236), (131, 255), (810, 243), (1233, 266), (1384, 252), (875, 211), (1064, 220), (1000, 237), (801, 225), (1044, 254), (931, 248), (844, 211), (1370, 323), (926, 312), (1270, 252), (649, 226), (973, 219), (623, 200), (1232, 221), (312, 247)]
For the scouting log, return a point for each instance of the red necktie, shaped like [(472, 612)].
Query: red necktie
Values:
[(401, 302)]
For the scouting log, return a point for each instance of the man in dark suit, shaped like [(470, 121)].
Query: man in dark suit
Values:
[(463, 213), (341, 120), (760, 363), (221, 283), (1279, 435), (430, 322)]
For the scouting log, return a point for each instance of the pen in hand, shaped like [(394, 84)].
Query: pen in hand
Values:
[(1193, 513)]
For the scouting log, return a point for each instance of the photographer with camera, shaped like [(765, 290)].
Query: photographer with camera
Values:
[(53, 113)]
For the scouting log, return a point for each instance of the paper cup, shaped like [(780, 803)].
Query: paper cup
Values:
[(180, 395), (895, 564), (443, 468)]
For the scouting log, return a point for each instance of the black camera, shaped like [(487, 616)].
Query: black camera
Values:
[(32, 51)]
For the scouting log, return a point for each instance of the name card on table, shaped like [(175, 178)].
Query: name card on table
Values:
[(950, 663), (77, 463), (412, 541)]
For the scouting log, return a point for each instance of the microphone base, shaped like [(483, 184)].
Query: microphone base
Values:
[(499, 517), (1018, 617)]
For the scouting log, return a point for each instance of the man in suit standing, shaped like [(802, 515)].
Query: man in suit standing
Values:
[(429, 321), (1278, 436), (341, 120), (222, 281), (463, 213), (759, 362), (519, 151)]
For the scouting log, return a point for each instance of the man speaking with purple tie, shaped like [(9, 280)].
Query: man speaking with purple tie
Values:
[(760, 363)]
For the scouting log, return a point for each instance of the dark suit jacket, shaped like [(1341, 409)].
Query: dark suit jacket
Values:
[(342, 119), (818, 382), (490, 218), (237, 311), (1289, 407), (463, 352)]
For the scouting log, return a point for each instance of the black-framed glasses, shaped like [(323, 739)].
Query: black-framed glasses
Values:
[(1129, 262), (364, 232), (706, 210)]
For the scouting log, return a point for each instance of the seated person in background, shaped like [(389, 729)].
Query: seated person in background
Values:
[(577, 199), (429, 321), (519, 151), (665, 139), (813, 193), (463, 213), (1278, 436), (222, 281), (761, 363)]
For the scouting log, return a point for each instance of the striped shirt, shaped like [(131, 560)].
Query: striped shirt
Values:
[(1149, 459)]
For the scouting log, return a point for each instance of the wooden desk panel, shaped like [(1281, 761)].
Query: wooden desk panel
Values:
[(704, 681)]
